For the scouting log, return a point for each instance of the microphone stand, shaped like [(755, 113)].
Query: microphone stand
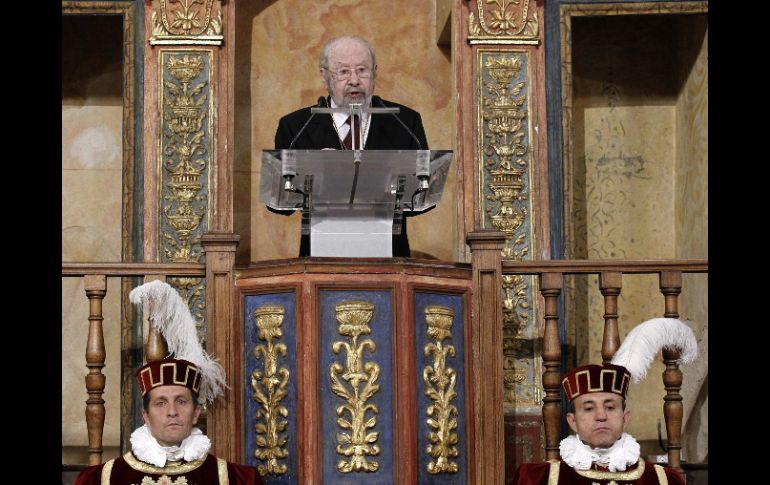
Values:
[(352, 110)]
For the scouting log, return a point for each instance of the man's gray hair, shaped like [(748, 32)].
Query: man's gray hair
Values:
[(324, 61)]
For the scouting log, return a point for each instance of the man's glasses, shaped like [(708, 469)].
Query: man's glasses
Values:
[(344, 73)]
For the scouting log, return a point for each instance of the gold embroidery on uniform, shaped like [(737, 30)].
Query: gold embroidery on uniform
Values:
[(107, 471), (634, 474), (169, 469), (662, 478), (553, 472), (164, 480), (222, 471)]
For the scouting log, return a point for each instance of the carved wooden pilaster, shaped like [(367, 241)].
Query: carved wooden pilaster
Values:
[(501, 154), (96, 289), (487, 360), (220, 342)]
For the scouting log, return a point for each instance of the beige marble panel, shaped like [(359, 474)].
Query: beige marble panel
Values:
[(91, 215), (692, 231), (630, 214), (286, 41), (74, 335), (91, 182)]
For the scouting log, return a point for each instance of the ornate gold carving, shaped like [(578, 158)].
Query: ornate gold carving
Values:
[(269, 387), (504, 22), (360, 385), (440, 383), (184, 108), (186, 22), (504, 193), (505, 117), (193, 291)]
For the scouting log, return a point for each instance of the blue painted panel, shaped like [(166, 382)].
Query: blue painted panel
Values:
[(381, 333), (456, 362), (252, 362)]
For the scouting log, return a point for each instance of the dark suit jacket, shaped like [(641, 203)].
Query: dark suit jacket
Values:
[(385, 133)]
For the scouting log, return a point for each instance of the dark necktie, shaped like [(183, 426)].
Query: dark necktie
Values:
[(348, 141)]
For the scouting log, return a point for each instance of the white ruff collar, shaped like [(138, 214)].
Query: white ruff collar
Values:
[(578, 455), (146, 448)]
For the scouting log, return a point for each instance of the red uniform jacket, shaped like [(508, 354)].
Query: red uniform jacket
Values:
[(559, 473), (127, 470)]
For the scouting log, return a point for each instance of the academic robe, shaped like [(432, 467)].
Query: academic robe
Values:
[(385, 133), (128, 470), (559, 473)]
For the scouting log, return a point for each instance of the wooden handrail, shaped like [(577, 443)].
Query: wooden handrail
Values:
[(627, 266), (551, 274), (133, 269)]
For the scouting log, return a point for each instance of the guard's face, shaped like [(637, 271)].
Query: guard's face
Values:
[(172, 414), (350, 75), (599, 418)]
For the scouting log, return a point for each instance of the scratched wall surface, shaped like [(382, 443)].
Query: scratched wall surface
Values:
[(91, 211), (277, 50), (639, 172), (692, 216)]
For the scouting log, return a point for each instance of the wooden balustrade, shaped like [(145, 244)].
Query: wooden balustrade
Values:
[(610, 283), (488, 269), (94, 277)]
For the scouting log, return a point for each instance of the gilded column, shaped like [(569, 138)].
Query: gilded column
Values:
[(502, 152), (188, 170)]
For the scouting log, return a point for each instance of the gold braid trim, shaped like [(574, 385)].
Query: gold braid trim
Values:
[(662, 478), (172, 468), (222, 471), (107, 471), (553, 472), (634, 474)]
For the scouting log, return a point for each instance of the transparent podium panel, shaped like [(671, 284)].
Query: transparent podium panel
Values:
[(350, 198)]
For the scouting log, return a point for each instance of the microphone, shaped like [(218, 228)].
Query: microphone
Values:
[(377, 99), (320, 104), (423, 159)]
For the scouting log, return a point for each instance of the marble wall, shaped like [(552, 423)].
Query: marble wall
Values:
[(278, 45), (639, 175), (692, 214), (91, 212)]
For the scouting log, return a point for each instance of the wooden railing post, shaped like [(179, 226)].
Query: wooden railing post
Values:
[(487, 357), (671, 286), (610, 283), (222, 417), (96, 289), (550, 288)]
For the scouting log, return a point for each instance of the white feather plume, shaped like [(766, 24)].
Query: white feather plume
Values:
[(171, 316), (643, 342)]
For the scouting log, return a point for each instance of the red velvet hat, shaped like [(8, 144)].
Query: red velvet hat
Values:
[(168, 372), (191, 366), (596, 378)]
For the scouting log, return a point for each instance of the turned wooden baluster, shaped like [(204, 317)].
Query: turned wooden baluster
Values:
[(610, 283), (671, 286), (155, 348), (550, 288), (96, 289)]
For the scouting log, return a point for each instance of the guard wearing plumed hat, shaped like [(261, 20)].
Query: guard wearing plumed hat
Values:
[(600, 452), (169, 449)]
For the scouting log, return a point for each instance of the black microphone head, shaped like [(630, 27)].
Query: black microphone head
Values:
[(321, 101)]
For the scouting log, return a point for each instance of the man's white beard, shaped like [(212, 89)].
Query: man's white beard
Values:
[(366, 101)]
